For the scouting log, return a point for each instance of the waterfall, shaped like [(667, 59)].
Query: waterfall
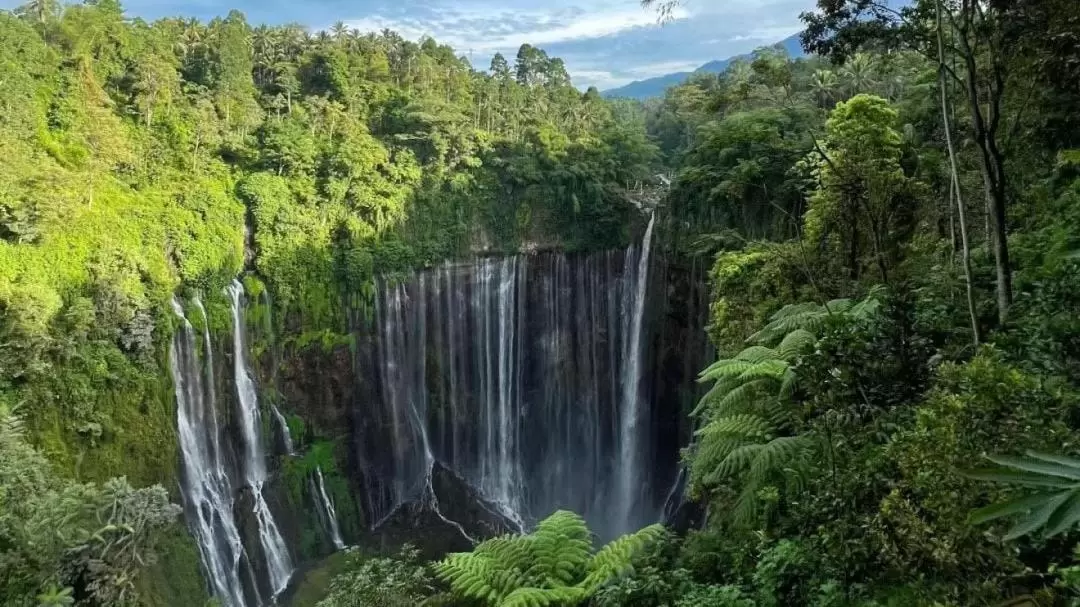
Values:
[(206, 488), (328, 510), (630, 440), (286, 435), (278, 564), (524, 375)]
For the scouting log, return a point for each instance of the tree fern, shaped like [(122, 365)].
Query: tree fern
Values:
[(553, 566), (747, 419)]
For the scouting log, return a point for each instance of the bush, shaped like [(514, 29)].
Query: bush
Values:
[(387, 582)]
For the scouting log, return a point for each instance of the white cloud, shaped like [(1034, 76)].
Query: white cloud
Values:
[(488, 31), (768, 34)]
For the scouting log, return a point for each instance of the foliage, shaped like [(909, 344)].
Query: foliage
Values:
[(62, 539), (141, 159), (554, 565), (751, 428), (1052, 510), (391, 582)]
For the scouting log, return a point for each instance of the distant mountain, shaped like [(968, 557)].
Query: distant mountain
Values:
[(655, 87)]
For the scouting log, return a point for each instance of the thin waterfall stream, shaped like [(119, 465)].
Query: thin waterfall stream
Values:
[(328, 510), (630, 464), (278, 564), (206, 488)]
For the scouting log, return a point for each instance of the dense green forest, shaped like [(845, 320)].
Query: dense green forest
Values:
[(892, 226)]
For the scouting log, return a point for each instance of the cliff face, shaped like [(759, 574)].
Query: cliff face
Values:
[(493, 386)]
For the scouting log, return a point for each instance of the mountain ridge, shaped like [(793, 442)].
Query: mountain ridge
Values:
[(655, 86)]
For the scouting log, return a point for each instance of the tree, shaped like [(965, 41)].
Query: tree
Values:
[(862, 191), (738, 174), (555, 565), (954, 187), (40, 11), (981, 43)]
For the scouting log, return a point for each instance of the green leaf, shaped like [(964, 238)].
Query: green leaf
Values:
[(997, 475), (1057, 459), (1037, 518), (1065, 516), (1008, 508), (1035, 466)]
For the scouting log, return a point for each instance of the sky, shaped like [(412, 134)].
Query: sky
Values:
[(605, 43)]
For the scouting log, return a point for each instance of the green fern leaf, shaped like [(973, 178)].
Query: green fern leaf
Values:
[(795, 343)]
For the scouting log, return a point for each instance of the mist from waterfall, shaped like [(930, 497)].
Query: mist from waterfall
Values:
[(524, 375)]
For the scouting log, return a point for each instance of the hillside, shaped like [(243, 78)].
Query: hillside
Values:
[(655, 87)]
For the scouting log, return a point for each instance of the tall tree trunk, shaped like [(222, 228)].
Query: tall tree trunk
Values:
[(991, 159), (955, 185)]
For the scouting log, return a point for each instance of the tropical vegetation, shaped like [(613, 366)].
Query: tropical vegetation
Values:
[(892, 227)]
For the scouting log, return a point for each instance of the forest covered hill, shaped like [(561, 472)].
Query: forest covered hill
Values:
[(655, 86)]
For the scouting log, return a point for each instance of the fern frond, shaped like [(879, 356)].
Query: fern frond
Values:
[(711, 451), (756, 354), (776, 453), (724, 368), (771, 369), (738, 460), (617, 556), (743, 397), (788, 383), (744, 425), (795, 343), (544, 597), (794, 310), (468, 575), (561, 547)]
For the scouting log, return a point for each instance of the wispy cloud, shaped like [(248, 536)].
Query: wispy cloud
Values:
[(500, 30)]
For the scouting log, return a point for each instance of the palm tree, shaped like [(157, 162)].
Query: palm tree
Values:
[(339, 30), (191, 38), (859, 73), (824, 85)]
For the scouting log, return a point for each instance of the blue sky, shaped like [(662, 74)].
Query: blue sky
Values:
[(605, 43)]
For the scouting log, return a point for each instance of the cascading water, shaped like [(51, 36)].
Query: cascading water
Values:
[(278, 564), (327, 510), (523, 375), (630, 465), (206, 488), (286, 435)]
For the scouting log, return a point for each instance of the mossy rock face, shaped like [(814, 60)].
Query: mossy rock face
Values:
[(175, 578), (313, 582), (107, 417)]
